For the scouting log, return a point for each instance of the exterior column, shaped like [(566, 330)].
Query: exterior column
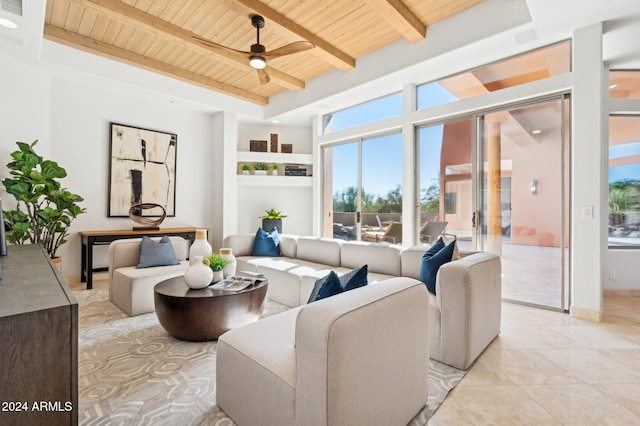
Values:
[(494, 215)]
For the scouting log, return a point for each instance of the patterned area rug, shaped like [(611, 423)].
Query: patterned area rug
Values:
[(131, 372)]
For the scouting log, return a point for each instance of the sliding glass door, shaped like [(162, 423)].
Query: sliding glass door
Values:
[(363, 189), (523, 172), (498, 182), (445, 182)]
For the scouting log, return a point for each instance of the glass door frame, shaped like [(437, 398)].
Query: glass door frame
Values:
[(478, 176), (477, 242)]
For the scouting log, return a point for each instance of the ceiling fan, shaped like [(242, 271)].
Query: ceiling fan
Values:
[(258, 54)]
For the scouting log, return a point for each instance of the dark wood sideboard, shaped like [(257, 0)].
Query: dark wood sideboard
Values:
[(38, 341)]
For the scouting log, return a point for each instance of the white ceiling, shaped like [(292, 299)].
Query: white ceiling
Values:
[(485, 33)]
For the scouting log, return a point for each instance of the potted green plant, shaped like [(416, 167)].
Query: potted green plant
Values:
[(272, 218), (260, 168), (246, 169), (274, 169), (217, 262), (45, 209)]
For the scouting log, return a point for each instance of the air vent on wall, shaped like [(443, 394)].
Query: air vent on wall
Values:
[(13, 6)]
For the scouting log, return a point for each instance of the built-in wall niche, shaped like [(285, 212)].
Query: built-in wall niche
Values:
[(261, 149), (272, 145), (274, 169), (257, 168)]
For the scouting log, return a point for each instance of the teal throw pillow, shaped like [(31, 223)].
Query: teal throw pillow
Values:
[(266, 244), (156, 253), (432, 260), (331, 284)]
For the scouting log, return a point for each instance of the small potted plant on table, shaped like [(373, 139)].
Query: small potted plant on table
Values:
[(217, 263)]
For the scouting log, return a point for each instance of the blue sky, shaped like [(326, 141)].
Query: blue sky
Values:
[(382, 156), (628, 171)]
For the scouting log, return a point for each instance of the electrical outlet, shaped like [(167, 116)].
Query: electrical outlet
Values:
[(612, 275)]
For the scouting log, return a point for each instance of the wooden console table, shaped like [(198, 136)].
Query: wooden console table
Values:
[(93, 238)]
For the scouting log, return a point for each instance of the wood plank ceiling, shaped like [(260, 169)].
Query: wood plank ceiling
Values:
[(158, 35)]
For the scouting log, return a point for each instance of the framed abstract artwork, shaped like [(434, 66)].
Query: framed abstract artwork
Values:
[(142, 170)]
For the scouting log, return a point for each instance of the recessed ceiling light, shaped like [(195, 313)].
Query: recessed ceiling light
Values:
[(275, 121), (7, 23), (613, 86), (536, 132)]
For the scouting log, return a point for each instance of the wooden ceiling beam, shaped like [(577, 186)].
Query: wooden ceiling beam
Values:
[(326, 50), (90, 45), (124, 13), (401, 18)]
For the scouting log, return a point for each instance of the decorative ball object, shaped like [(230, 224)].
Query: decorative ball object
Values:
[(135, 214), (199, 275)]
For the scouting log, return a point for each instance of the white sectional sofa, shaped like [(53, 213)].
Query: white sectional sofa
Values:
[(321, 363), (464, 314)]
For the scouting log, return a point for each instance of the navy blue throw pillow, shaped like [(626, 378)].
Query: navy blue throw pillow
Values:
[(431, 262), (331, 284), (435, 247), (156, 253), (266, 244), (354, 279)]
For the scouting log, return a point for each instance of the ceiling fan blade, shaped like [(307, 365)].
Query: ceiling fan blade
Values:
[(298, 46), (219, 46), (263, 76)]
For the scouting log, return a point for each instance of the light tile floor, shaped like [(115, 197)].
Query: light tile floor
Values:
[(549, 368), (546, 367)]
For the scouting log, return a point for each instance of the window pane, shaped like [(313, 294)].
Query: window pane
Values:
[(341, 191), (369, 112), (624, 84), (624, 181), (382, 189), (444, 181), (532, 66)]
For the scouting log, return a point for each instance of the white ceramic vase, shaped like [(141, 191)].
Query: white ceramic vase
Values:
[(199, 275), (200, 246), (230, 269)]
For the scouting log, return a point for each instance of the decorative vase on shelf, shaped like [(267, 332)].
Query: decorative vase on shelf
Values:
[(199, 274), (200, 246), (230, 269)]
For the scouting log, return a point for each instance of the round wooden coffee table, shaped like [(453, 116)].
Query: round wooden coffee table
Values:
[(202, 315)]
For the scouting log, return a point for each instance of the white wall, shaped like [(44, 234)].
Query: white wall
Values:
[(24, 111), (621, 270), (71, 120)]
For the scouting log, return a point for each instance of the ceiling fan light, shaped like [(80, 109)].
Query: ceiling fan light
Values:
[(257, 62)]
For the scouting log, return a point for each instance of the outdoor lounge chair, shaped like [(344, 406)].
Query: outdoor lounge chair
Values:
[(430, 231), (392, 234)]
